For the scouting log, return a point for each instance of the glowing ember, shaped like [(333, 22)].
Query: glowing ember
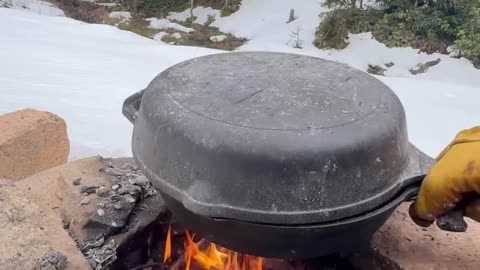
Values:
[(212, 258)]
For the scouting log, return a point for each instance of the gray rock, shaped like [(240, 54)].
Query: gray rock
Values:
[(85, 201), (389, 64), (129, 199), (53, 260), (102, 191), (101, 255), (76, 181), (88, 189), (377, 70)]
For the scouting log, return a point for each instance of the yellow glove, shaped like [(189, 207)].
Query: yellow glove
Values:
[(453, 181)]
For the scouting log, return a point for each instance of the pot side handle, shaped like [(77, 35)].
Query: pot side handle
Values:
[(132, 105), (411, 190)]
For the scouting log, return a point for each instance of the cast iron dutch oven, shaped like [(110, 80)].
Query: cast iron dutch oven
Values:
[(275, 154)]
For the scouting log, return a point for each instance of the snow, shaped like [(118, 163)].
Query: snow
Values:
[(34, 6), (436, 111), (176, 35), (156, 23), (121, 15), (272, 33), (106, 4), (200, 12), (158, 36), (218, 38), (83, 72)]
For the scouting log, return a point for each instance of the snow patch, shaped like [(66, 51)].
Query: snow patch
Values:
[(176, 35), (218, 38), (34, 6), (158, 36), (156, 23), (121, 15), (201, 13), (106, 4)]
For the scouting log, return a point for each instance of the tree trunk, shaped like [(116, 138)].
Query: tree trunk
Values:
[(134, 3), (191, 11), (225, 5), (291, 17), (354, 3), (361, 4)]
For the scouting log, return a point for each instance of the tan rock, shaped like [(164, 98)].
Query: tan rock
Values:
[(31, 141), (28, 232), (59, 189), (62, 189), (413, 247)]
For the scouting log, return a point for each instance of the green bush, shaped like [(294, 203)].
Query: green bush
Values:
[(162, 7), (393, 30), (430, 26), (332, 32), (469, 46), (360, 20), (468, 37)]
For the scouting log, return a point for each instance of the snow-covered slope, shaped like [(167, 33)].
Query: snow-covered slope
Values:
[(83, 72), (263, 22), (34, 6)]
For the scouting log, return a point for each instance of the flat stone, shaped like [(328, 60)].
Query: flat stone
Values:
[(58, 180), (413, 247), (32, 236)]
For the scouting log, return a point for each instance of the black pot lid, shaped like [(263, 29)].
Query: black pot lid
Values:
[(274, 138)]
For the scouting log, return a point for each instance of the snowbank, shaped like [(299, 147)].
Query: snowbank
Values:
[(436, 111), (34, 6), (156, 23), (201, 14), (82, 72)]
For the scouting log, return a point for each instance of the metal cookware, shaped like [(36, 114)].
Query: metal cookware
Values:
[(275, 154)]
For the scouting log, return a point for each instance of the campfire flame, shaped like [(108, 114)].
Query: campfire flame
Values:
[(168, 245), (212, 258)]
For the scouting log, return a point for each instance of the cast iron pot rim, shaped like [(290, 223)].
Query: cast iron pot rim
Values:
[(348, 234), (205, 209), (407, 193)]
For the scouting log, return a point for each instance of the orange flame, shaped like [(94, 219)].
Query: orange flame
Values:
[(168, 245), (213, 258)]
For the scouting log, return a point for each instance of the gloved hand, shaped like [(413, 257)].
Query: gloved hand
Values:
[(453, 183)]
